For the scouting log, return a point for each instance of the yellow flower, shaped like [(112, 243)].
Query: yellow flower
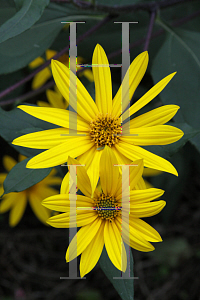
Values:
[(100, 216), (55, 99), (16, 202), (41, 78), (99, 122)]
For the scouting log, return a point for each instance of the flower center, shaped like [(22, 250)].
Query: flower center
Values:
[(106, 207), (105, 130)]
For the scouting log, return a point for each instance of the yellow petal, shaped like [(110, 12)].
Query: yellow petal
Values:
[(115, 246), (146, 209), (151, 172), (150, 160), (59, 154), (83, 181), (55, 116), (157, 116), (2, 177), (36, 62), (85, 104), (155, 135), (8, 162), (82, 239), (141, 184), (43, 104), (151, 94), (61, 202), (50, 53), (145, 230), (41, 78), (92, 253), (88, 74), (64, 189), (135, 74), (141, 196), (18, 209), (109, 171), (82, 218), (56, 100), (41, 212), (102, 80), (132, 237), (7, 202), (44, 139), (92, 164)]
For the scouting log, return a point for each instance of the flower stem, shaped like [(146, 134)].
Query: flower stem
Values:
[(150, 29)]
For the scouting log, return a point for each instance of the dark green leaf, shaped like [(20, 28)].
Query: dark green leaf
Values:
[(20, 178), (7, 10), (180, 52), (29, 12), (124, 287)]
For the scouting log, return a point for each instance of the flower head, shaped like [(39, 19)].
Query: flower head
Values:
[(99, 122), (41, 78), (100, 216), (16, 202)]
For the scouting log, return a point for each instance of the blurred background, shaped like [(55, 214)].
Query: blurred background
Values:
[(32, 255)]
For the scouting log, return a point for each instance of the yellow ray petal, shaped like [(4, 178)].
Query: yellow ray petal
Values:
[(18, 208), (151, 94), (109, 172), (56, 99), (64, 189), (115, 246), (59, 154), (83, 181), (155, 135), (146, 209), (2, 177), (64, 220), (42, 213), (36, 62), (157, 116), (8, 162), (151, 172), (141, 196), (61, 202), (102, 80), (50, 53), (92, 253), (135, 73), (150, 160), (7, 202), (55, 116), (145, 230), (92, 165), (43, 104), (88, 74), (44, 139), (85, 104), (82, 239), (141, 184), (132, 237), (40, 78)]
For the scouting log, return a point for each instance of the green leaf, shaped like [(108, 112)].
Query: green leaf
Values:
[(20, 50), (20, 178), (28, 14), (7, 10), (124, 287), (180, 52)]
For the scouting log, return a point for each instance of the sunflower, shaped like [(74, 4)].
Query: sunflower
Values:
[(99, 122), (41, 78), (100, 216), (16, 202)]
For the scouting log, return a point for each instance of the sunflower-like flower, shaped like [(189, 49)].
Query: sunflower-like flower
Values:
[(100, 217), (41, 78), (16, 202), (99, 123)]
